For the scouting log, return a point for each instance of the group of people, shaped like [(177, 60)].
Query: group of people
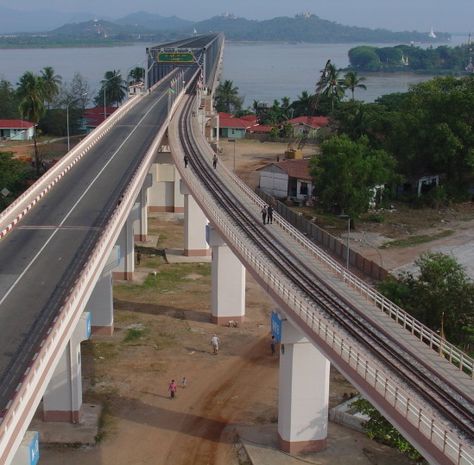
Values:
[(214, 161), (173, 387), (267, 214)]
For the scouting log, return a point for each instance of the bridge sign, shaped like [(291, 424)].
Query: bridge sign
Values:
[(175, 57), (276, 326)]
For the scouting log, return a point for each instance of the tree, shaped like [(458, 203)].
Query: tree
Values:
[(352, 82), (50, 84), (227, 97), (114, 88), (364, 58), (380, 429), (303, 104), (9, 101), (136, 74), (333, 85), (13, 173), (442, 295), (346, 171), (30, 92)]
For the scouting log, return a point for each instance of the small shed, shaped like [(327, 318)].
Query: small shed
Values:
[(287, 179), (16, 129)]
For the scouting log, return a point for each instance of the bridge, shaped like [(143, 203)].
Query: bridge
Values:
[(64, 237)]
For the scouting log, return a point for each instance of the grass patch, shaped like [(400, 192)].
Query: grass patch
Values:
[(415, 240), (163, 340), (104, 350), (133, 335), (170, 277)]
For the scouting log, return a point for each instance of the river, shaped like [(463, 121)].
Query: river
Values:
[(262, 71)]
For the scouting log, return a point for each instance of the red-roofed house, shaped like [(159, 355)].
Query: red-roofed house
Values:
[(16, 129), (232, 127), (287, 179), (308, 125), (93, 117)]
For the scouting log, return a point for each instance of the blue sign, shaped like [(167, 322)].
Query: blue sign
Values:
[(88, 325), (34, 449), (276, 326)]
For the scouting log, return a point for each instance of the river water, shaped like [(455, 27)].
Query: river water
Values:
[(262, 71)]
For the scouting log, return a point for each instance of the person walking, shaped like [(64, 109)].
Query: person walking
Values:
[(214, 161), (270, 214), (139, 257), (215, 341), (172, 388), (273, 345), (186, 161), (264, 214), (184, 382)]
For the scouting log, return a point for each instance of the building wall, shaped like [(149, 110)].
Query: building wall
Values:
[(274, 183), (17, 134), (232, 133)]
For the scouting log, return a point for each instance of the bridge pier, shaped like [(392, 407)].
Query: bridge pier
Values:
[(126, 243), (164, 193), (195, 222), (228, 282), (140, 226), (62, 400), (303, 393)]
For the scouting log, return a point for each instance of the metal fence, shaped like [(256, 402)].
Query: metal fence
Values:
[(325, 240)]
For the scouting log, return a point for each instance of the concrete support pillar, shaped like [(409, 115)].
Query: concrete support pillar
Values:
[(140, 227), (62, 400), (303, 393), (164, 194), (228, 282), (28, 453), (195, 222), (126, 243)]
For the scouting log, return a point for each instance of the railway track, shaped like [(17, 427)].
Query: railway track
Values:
[(455, 405)]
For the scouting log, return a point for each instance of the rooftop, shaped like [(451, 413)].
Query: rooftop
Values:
[(15, 124)]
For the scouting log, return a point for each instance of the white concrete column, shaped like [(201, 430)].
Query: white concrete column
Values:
[(303, 393), (140, 226), (28, 452), (100, 304), (195, 222), (62, 400), (163, 194), (228, 282), (126, 243)]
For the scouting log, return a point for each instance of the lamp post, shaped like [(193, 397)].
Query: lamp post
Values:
[(348, 218), (67, 119), (233, 140)]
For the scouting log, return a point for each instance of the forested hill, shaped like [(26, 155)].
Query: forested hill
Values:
[(305, 28)]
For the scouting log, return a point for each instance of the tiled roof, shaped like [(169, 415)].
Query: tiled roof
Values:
[(260, 129), (312, 121), (95, 116), (15, 124), (293, 168), (226, 122)]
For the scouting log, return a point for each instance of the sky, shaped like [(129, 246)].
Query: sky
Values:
[(443, 15)]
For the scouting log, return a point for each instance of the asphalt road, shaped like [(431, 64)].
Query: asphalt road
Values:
[(41, 257)]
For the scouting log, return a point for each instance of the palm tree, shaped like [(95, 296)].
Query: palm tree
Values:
[(303, 104), (31, 93), (352, 81), (332, 85), (227, 97), (51, 83), (136, 74), (114, 87)]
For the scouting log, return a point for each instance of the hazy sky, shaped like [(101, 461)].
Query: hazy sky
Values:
[(451, 16)]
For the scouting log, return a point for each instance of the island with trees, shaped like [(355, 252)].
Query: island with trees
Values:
[(439, 60)]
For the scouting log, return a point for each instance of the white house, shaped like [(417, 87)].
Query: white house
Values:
[(287, 179), (16, 129)]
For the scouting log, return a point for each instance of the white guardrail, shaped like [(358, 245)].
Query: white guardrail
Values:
[(15, 419), (443, 439)]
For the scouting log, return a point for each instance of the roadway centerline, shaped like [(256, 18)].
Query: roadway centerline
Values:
[(2, 300), (62, 228)]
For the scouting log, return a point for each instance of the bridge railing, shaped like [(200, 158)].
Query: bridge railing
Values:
[(405, 404), (434, 341)]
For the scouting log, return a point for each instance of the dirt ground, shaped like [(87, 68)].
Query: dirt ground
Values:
[(162, 332)]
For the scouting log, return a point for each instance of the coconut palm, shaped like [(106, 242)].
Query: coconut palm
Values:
[(303, 104), (136, 74), (352, 81), (51, 84), (227, 97), (31, 94), (332, 85), (114, 88)]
